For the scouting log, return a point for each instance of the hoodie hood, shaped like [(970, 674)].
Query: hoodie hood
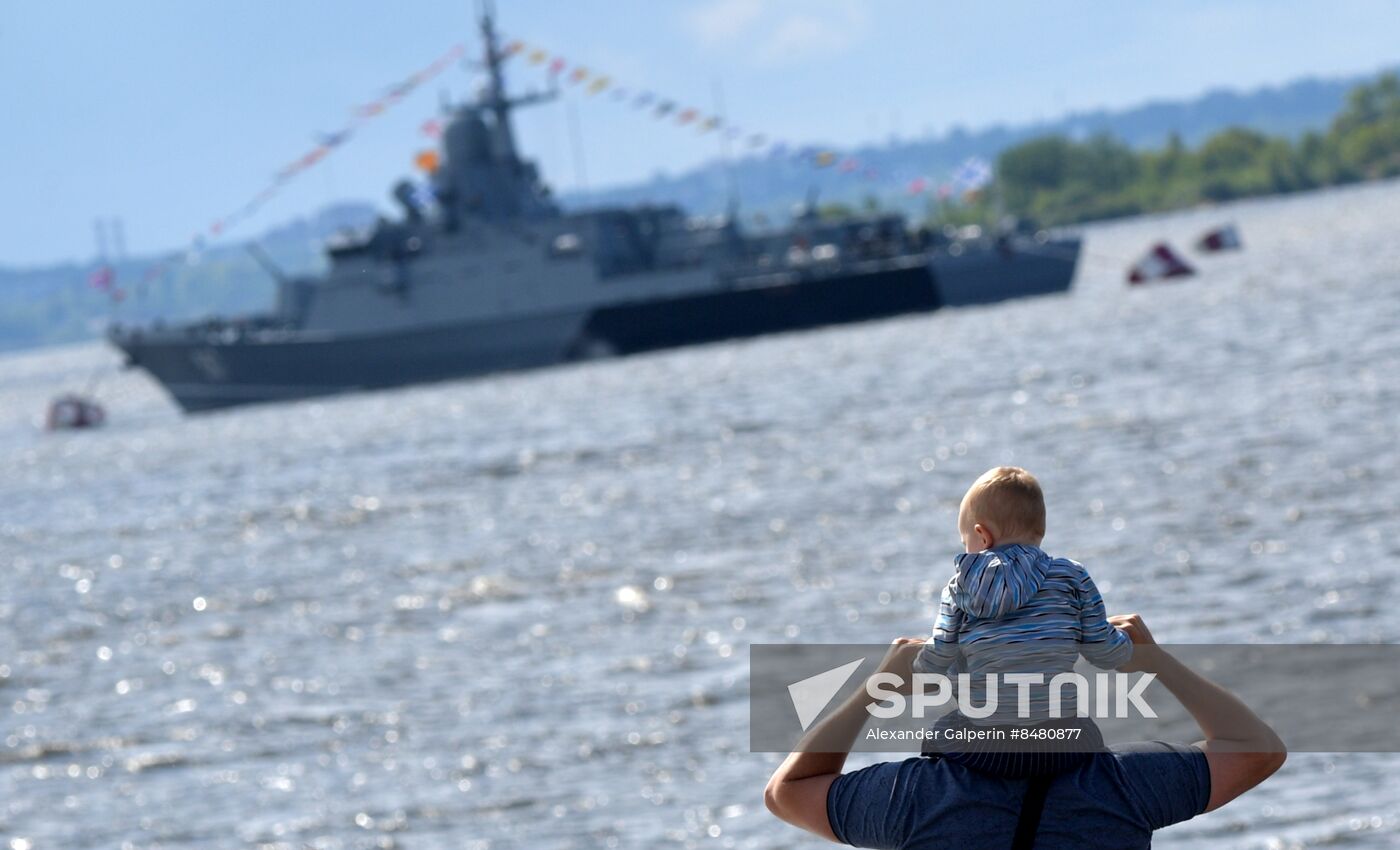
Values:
[(993, 583)]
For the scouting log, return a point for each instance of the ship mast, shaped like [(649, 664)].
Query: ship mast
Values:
[(495, 98), (496, 91)]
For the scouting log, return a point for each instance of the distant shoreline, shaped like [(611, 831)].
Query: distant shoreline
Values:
[(1055, 180)]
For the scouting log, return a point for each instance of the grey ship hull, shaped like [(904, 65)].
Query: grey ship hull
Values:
[(203, 372), (977, 278), (270, 367)]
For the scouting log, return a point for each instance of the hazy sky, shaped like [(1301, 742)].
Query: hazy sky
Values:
[(171, 112)]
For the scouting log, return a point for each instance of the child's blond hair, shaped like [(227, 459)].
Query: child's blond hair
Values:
[(1009, 499)]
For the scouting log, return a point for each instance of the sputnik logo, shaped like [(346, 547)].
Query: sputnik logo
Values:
[(812, 694)]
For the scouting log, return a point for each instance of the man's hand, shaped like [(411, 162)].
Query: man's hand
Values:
[(1144, 645), (1133, 626), (899, 660)]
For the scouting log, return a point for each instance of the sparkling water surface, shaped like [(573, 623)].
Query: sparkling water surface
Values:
[(515, 612)]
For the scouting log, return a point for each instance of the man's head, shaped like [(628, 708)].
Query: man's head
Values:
[(1003, 506)]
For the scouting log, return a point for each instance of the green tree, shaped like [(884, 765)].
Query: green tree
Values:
[(1056, 180)]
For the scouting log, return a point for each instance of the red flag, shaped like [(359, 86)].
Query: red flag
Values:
[(313, 156)]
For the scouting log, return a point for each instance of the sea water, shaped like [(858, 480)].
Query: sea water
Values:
[(515, 611)]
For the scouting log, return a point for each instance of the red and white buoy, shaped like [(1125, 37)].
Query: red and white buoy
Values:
[(1160, 263), (1223, 238)]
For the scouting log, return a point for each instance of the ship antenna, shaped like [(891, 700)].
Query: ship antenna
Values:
[(496, 99)]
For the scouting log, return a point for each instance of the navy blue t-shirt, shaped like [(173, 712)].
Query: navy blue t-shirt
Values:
[(1114, 801)]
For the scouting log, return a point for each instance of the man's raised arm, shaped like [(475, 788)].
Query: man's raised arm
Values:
[(797, 791), (1241, 749)]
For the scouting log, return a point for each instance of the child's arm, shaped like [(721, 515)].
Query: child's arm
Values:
[(1100, 643), (939, 650)]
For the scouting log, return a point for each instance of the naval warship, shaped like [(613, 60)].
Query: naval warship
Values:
[(492, 275)]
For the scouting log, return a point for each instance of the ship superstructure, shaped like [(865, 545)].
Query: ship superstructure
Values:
[(490, 274)]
